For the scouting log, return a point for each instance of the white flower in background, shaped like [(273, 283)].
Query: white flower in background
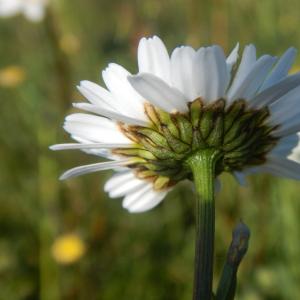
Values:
[(147, 124), (33, 10)]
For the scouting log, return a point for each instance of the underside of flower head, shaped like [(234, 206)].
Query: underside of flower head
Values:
[(242, 136), (150, 123)]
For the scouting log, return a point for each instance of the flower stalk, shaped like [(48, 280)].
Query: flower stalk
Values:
[(203, 166)]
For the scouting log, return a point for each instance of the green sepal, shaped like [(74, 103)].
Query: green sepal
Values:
[(165, 120), (232, 133), (267, 147), (198, 142), (160, 152), (135, 152), (246, 131), (206, 123), (234, 154), (154, 136), (247, 120), (257, 136), (236, 142), (262, 115), (143, 174), (185, 129), (215, 139), (137, 161), (170, 163), (195, 112), (209, 116), (234, 110), (153, 167), (161, 182), (152, 114), (159, 169), (176, 145)]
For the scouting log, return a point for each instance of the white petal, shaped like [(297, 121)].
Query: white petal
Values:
[(93, 133), (159, 93), (286, 107), (130, 199), (182, 60), (109, 114), (148, 202), (285, 145), (105, 153), (153, 58), (248, 85), (281, 69), (97, 95), (118, 179), (295, 156), (211, 75), (246, 64), (129, 101), (290, 126), (281, 166), (130, 186), (143, 199), (94, 129), (248, 59), (276, 91), (91, 119), (73, 146), (233, 57), (93, 168)]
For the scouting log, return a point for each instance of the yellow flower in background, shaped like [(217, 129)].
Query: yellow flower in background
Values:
[(12, 76), (69, 43), (68, 248)]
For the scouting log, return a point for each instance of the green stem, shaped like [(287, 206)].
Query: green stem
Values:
[(202, 164), (227, 285), (235, 254), (60, 59)]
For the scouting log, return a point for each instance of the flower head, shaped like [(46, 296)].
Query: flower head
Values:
[(33, 10), (149, 124)]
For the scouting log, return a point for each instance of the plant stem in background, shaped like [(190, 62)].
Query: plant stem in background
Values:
[(49, 189), (61, 62), (48, 196), (203, 164), (236, 252)]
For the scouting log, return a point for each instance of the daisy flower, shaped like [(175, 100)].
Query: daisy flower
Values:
[(33, 10), (147, 125)]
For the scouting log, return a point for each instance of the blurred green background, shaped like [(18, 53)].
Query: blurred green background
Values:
[(68, 240)]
